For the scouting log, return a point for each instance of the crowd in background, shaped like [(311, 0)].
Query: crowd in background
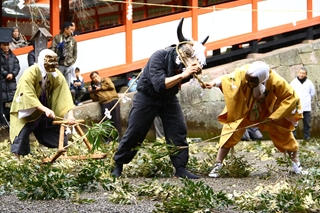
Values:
[(65, 46)]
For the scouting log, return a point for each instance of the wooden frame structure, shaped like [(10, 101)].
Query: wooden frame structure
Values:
[(62, 149), (126, 30)]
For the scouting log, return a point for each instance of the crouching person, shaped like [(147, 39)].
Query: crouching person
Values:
[(259, 95), (42, 94)]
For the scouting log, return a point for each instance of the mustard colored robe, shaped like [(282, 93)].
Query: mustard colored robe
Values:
[(59, 98), (241, 110)]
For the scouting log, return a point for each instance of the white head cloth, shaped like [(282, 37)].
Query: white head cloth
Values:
[(260, 70), (41, 57)]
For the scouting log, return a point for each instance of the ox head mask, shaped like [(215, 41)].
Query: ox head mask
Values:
[(189, 51)]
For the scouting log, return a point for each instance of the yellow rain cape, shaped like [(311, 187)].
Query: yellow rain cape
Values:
[(281, 104)]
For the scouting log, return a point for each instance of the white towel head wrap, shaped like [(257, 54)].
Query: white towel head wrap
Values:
[(260, 70)]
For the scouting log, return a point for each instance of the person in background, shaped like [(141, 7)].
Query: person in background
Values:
[(42, 95), (65, 46), (73, 28), (305, 90), (158, 127), (104, 91), (31, 56), (17, 39), (10, 68), (252, 133), (255, 94), (77, 87), (132, 84)]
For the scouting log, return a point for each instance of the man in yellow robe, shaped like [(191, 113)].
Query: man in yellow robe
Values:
[(255, 94), (42, 94)]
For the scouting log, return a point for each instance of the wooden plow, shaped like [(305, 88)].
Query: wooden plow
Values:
[(61, 149)]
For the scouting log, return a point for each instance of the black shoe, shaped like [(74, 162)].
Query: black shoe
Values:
[(117, 171), (183, 173)]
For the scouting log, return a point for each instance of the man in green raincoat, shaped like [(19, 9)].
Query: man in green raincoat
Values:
[(42, 95)]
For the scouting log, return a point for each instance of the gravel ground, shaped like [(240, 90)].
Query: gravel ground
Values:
[(11, 204)]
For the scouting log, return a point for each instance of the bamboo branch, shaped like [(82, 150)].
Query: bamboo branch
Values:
[(256, 124)]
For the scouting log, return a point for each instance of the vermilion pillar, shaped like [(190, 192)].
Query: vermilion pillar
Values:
[(65, 12), (54, 17), (254, 16), (194, 18), (309, 8), (128, 29)]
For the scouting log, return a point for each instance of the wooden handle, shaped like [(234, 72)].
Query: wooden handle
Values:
[(66, 122), (200, 81)]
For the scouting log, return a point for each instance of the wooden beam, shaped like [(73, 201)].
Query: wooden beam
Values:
[(62, 149), (80, 157), (194, 19), (118, 70), (309, 9), (128, 30), (54, 17), (254, 16), (65, 12)]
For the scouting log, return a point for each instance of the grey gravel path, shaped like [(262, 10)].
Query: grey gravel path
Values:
[(11, 204)]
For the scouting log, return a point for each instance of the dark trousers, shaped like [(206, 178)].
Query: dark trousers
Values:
[(77, 94), (6, 113), (46, 133), (306, 124), (115, 114), (141, 117)]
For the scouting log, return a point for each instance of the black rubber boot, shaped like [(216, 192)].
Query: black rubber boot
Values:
[(183, 173), (117, 171)]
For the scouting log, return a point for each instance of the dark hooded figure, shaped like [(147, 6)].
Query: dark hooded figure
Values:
[(156, 93), (10, 68)]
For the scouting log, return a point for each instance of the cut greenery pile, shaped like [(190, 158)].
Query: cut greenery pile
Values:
[(66, 179)]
